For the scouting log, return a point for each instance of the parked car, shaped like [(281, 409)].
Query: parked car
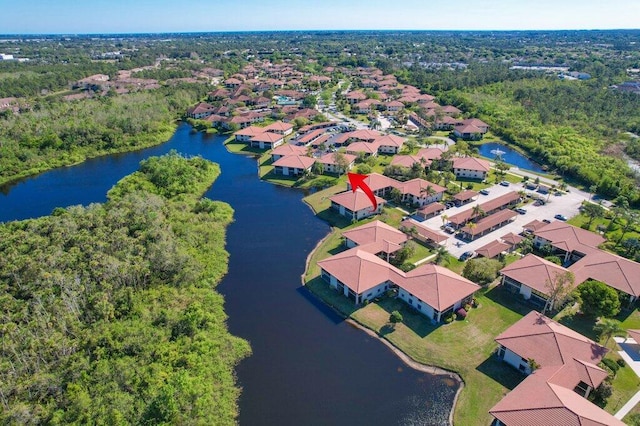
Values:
[(504, 183), (521, 210), (546, 220), (449, 229), (560, 217), (466, 255), (484, 192)]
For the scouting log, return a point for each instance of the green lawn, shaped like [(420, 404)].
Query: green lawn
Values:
[(466, 347), (242, 148), (421, 251)]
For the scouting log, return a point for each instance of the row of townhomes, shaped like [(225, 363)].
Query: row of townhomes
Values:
[(561, 366), (362, 272)]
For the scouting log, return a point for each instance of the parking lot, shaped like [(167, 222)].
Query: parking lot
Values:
[(566, 205)]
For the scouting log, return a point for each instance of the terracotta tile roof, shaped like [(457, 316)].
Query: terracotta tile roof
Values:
[(375, 231), (431, 208), (364, 134), (356, 95), (635, 335), (250, 131), (377, 182), (289, 149), (490, 221), (390, 140), (366, 147), (471, 163), (617, 272), (267, 137), (308, 137), (439, 287), (512, 239), (430, 153), (329, 158), (465, 195), (406, 160), (279, 126), (450, 109), (358, 269), (538, 402), (492, 249), (355, 201), (569, 238), (534, 225), (417, 186), (548, 342), (424, 230), (294, 161), (533, 272)]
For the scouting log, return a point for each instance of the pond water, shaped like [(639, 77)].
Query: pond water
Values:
[(308, 365), (509, 156)]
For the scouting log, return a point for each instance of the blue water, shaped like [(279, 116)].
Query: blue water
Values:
[(308, 365), (510, 157)]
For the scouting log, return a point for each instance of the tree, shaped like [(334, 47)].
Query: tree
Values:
[(401, 256), (442, 256), (607, 328), (396, 195), (309, 101), (341, 162), (477, 211), (558, 288), (598, 299), (318, 168), (444, 218), (481, 270), (592, 211), (395, 318), (630, 221), (526, 245)]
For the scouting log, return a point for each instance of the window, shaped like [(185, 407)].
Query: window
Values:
[(522, 368)]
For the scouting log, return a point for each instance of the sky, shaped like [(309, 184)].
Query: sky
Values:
[(143, 16)]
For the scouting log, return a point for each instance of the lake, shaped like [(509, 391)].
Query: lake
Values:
[(308, 365), (509, 156)]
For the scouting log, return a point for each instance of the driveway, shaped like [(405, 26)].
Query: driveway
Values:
[(567, 205)]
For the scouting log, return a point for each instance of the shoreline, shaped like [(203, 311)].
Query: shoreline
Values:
[(16, 179), (406, 359)]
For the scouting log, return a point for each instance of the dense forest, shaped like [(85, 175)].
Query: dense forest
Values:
[(53, 133), (109, 311)]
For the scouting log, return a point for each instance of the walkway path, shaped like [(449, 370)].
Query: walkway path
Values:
[(631, 356)]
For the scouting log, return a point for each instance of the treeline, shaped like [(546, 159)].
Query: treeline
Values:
[(56, 133), (162, 74), (24, 81), (570, 126), (109, 311)]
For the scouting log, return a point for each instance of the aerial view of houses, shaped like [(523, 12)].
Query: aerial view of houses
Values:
[(443, 218)]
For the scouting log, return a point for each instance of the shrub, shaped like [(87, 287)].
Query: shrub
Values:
[(461, 314), (600, 394), (613, 366), (395, 317), (621, 362), (449, 318)]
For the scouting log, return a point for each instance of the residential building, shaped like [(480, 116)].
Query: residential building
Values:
[(471, 168), (293, 165), (555, 392), (330, 165), (355, 205)]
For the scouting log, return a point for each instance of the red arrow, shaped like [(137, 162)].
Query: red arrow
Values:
[(356, 180)]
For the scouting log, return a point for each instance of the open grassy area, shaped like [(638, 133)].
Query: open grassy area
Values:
[(466, 347), (242, 148), (421, 251)]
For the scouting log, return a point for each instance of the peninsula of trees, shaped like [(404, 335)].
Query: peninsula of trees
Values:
[(110, 313)]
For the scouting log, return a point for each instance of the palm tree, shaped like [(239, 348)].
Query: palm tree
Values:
[(631, 219), (609, 327), (444, 218), (428, 190), (471, 226), (441, 255), (477, 211)]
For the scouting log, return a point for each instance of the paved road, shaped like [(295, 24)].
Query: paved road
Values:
[(567, 205), (629, 353)]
